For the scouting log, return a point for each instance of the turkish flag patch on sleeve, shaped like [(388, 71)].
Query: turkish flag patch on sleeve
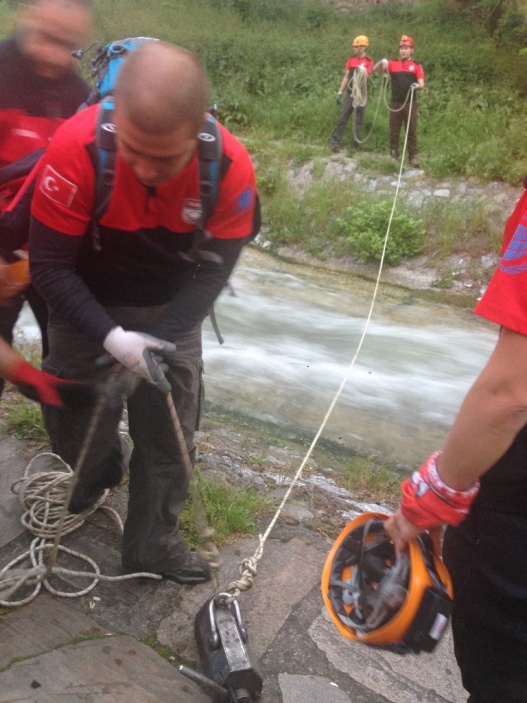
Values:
[(56, 187)]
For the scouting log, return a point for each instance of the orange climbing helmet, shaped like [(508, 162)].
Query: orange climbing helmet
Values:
[(406, 41), (401, 602), (361, 40)]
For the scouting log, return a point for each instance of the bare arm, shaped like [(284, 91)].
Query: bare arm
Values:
[(8, 360), (492, 414), (345, 82), (381, 66)]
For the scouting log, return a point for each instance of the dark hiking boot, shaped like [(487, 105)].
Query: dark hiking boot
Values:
[(335, 148), (84, 496), (414, 162), (86, 493), (190, 571)]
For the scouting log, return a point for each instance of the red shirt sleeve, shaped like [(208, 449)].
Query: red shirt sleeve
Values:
[(369, 64), (232, 217), (64, 192)]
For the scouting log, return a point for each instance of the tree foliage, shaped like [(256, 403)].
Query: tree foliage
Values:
[(505, 20)]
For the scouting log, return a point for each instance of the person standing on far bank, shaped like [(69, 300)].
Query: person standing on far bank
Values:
[(357, 63), (406, 75)]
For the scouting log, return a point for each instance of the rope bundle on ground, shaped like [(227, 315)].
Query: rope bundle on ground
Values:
[(43, 496)]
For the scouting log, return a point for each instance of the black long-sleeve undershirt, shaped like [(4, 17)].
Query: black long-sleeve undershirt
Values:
[(55, 274)]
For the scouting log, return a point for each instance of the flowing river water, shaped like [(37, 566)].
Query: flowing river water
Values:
[(291, 333)]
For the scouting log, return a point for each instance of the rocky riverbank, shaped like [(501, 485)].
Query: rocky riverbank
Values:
[(463, 273)]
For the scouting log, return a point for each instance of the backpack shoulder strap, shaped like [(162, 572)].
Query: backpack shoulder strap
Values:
[(106, 151), (210, 154)]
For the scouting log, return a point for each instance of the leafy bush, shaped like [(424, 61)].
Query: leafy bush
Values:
[(365, 226)]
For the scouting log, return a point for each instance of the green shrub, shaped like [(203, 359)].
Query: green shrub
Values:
[(365, 226)]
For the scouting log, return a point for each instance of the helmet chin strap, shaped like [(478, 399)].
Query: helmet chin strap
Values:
[(388, 596)]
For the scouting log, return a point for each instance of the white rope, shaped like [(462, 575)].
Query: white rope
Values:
[(358, 86), (382, 92), (42, 496), (409, 95), (248, 567)]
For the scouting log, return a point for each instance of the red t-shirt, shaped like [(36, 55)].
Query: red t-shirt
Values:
[(402, 75), (353, 62), (65, 191), (140, 257), (505, 300)]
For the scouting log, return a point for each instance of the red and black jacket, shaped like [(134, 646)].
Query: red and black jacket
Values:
[(403, 74), (31, 109)]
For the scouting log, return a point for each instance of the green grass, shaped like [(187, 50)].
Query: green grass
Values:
[(275, 66), (230, 511), (22, 419), (375, 481)]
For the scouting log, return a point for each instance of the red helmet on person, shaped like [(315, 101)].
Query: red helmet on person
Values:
[(406, 41)]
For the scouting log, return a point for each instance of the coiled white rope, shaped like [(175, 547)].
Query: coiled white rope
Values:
[(358, 86), (363, 91), (42, 496)]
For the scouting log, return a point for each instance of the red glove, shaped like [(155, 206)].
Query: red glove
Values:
[(428, 502), (49, 390)]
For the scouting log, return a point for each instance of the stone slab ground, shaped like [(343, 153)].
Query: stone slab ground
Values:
[(105, 646)]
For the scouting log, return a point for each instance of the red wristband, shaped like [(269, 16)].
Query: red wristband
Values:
[(428, 502)]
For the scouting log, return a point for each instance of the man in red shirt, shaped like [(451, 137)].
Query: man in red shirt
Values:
[(478, 487), (40, 89), (355, 64), (143, 288), (406, 76)]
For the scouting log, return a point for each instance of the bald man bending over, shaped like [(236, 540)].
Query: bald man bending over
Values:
[(138, 294)]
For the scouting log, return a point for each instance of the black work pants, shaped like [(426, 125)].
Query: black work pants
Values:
[(158, 476), (403, 116), (493, 665), (345, 113)]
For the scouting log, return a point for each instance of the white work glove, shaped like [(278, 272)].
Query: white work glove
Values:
[(384, 64), (136, 351), (415, 86)]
